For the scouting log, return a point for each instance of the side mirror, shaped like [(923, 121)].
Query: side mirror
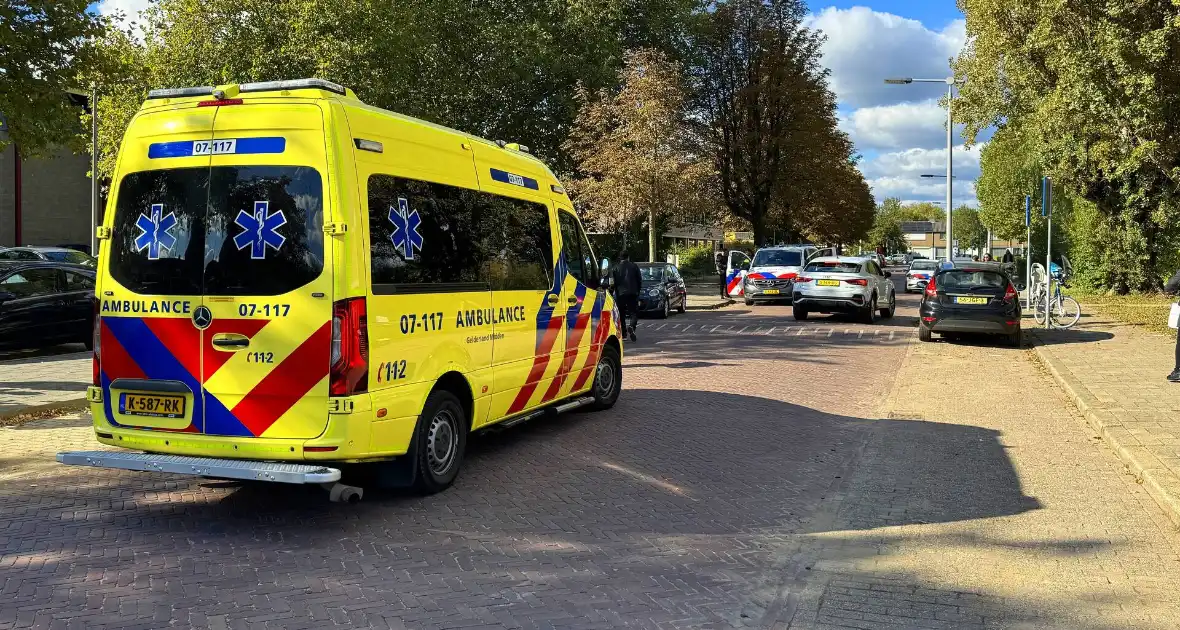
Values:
[(888, 274), (746, 266)]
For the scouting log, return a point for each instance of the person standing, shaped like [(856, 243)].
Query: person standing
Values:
[(1008, 256), (627, 284), (719, 264), (1172, 288)]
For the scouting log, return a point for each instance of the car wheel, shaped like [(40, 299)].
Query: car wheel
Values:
[(683, 304), (869, 316), (799, 313), (888, 312), (749, 302), (923, 333), (608, 379), (1016, 339), (441, 439), (664, 312)]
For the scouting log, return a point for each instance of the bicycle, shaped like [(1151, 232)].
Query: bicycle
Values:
[(1063, 311)]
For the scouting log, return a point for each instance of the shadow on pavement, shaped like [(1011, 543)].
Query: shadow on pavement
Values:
[(686, 496), (1055, 337), (16, 356)]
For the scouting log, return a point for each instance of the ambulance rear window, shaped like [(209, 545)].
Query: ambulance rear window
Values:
[(227, 230)]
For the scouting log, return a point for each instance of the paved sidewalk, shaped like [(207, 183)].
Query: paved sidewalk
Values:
[(1115, 374), (32, 384), (705, 296)]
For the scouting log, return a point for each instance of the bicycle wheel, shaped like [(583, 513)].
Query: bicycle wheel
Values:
[(1066, 312), (1038, 308)]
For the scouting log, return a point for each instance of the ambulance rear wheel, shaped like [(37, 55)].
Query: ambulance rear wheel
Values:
[(440, 442), (608, 379)]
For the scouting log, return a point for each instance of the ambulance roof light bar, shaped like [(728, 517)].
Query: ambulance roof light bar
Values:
[(265, 86)]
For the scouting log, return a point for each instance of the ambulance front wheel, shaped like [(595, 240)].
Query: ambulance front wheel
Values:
[(608, 378), (440, 442)]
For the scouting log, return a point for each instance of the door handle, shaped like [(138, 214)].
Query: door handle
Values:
[(230, 342), (571, 300), (551, 300)]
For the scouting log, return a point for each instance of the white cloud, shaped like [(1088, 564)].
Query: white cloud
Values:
[(887, 127), (864, 47), (899, 174)]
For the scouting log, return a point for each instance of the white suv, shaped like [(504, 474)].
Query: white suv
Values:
[(844, 285)]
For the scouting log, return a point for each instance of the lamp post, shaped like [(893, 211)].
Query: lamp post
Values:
[(949, 243), (950, 95)]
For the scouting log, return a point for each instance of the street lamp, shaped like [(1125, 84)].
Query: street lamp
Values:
[(950, 95)]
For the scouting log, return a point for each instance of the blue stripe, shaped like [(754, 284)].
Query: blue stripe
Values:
[(244, 146), (513, 179)]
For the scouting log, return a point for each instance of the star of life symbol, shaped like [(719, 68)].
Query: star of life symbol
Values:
[(155, 232), (405, 237), (260, 230)]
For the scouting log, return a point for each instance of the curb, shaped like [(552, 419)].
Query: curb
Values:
[(71, 404), (711, 307), (1160, 483)]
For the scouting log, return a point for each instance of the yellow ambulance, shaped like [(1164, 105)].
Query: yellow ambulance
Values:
[(290, 279)]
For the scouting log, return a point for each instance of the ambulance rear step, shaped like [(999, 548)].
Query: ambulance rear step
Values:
[(202, 466)]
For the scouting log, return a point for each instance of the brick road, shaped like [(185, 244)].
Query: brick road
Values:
[(43, 378), (744, 480)]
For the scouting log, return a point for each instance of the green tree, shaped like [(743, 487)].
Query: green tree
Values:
[(969, 231), (1010, 170), (636, 151), (1094, 86), (890, 214), (44, 45), (499, 69), (765, 101)]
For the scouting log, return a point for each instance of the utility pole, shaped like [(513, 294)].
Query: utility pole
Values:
[(1047, 211), (93, 170)]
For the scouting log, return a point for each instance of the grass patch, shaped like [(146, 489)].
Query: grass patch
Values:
[(1149, 310)]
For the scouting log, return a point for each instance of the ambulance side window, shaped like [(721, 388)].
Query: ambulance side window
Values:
[(578, 256), (520, 244)]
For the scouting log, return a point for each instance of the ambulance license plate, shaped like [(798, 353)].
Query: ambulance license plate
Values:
[(770, 292), (970, 300), (828, 283), (152, 405)]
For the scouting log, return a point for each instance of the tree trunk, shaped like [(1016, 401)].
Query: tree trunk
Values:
[(651, 234), (758, 225)]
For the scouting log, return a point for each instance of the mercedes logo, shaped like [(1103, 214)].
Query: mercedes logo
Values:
[(202, 317)]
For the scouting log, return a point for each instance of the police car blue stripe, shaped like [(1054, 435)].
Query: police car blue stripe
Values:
[(158, 150), (516, 180)]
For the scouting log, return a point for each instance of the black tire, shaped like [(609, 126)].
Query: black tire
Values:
[(886, 313), (749, 302), (799, 313), (869, 315), (1016, 339), (667, 310), (923, 333), (440, 440), (606, 390), (683, 304)]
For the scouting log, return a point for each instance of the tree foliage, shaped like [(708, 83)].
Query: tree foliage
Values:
[(44, 45), (888, 217), (765, 100), (499, 69), (1010, 170), (1094, 86), (968, 229), (637, 153)]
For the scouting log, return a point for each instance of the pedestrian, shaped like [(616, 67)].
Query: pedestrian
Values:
[(719, 264), (1172, 288), (627, 284), (1008, 257)]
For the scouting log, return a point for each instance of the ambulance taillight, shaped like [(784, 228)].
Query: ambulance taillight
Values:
[(96, 368), (350, 348)]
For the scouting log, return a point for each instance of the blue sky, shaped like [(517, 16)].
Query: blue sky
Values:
[(899, 130)]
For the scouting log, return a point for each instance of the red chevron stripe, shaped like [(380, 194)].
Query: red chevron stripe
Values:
[(114, 359), (572, 343), (287, 383), (540, 364), (733, 284), (181, 338), (600, 336)]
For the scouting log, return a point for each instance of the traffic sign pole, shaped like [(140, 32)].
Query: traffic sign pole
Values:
[(1028, 251), (1047, 212)]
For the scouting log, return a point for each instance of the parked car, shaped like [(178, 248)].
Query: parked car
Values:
[(971, 298), (897, 260), (844, 285), (773, 270), (919, 274), (45, 303), (55, 254), (663, 289)]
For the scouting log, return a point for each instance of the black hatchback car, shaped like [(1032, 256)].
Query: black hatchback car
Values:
[(663, 289), (971, 298), (45, 303)]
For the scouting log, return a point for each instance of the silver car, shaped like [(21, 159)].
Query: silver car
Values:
[(919, 273), (844, 285)]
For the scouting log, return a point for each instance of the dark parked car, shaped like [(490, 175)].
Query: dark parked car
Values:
[(971, 298), (663, 289), (45, 303)]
